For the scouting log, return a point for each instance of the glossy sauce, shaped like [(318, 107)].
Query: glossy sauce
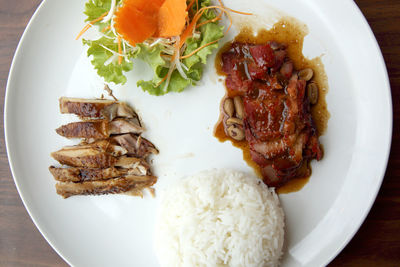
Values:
[(292, 33)]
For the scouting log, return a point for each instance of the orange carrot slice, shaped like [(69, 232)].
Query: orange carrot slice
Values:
[(172, 18), (137, 20)]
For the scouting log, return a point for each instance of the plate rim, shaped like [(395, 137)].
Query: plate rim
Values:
[(17, 52), (379, 54), (339, 247)]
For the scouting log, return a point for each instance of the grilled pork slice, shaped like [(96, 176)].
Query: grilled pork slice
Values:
[(135, 145), (75, 174), (96, 108), (84, 174), (133, 163), (99, 129), (131, 184), (105, 145), (84, 156), (100, 154)]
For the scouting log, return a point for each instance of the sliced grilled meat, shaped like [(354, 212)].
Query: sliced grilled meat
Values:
[(110, 158), (122, 125), (100, 154), (75, 174), (96, 108), (106, 145), (119, 109), (132, 184), (99, 129), (81, 156), (136, 145), (133, 163), (277, 122)]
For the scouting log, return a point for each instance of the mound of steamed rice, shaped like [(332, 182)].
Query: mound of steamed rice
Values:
[(219, 218)]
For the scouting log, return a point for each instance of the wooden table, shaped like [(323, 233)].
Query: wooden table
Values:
[(377, 243)]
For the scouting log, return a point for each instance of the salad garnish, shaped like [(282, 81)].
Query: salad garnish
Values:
[(173, 36)]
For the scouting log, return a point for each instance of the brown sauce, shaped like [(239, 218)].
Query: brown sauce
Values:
[(292, 33)]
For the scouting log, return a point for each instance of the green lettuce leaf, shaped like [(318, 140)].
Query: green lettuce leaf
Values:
[(152, 56), (95, 8), (113, 72)]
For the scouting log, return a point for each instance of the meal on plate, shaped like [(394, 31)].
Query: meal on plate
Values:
[(173, 36), (268, 106), (219, 218), (111, 157)]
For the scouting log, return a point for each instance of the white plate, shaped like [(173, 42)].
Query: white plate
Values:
[(117, 230)]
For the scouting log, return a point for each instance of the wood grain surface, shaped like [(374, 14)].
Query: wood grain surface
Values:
[(377, 243)]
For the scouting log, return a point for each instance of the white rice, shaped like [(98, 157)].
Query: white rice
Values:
[(219, 218)]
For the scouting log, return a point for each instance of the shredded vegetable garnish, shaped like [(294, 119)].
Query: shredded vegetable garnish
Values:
[(191, 27), (106, 28), (111, 12), (90, 24), (174, 59), (198, 49), (119, 50)]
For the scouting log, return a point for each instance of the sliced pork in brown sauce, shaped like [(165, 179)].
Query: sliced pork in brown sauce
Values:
[(111, 158), (277, 123)]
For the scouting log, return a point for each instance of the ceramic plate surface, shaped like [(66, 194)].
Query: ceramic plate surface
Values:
[(116, 230)]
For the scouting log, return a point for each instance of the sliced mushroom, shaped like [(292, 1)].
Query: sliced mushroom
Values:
[(312, 93), (231, 121), (228, 107), (238, 102), (306, 74), (236, 132)]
